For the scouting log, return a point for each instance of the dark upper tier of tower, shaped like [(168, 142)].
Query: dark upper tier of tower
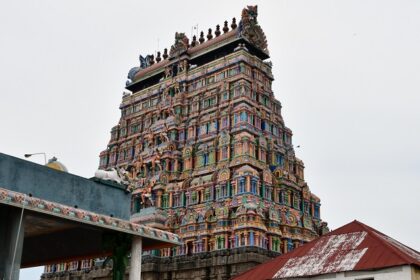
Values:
[(247, 34)]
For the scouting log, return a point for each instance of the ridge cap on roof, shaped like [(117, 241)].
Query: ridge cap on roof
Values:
[(333, 232), (377, 235)]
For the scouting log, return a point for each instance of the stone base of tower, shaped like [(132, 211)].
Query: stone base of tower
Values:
[(216, 265)]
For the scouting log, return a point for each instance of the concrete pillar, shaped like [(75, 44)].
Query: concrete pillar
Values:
[(135, 264), (11, 242)]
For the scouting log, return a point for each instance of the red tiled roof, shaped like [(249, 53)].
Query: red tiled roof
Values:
[(354, 246)]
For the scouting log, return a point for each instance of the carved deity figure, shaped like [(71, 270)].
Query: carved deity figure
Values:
[(148, 139), (249, 14), (146, 194), (183, 66), (168, 72), (138, 164), (156, 160), (144, 62), (181, 44), (250, 29), (164, 136)]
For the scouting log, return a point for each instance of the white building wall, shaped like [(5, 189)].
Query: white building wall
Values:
[(415, 272), (393, 273)]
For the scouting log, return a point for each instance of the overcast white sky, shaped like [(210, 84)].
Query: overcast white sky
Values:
[(347, 74)]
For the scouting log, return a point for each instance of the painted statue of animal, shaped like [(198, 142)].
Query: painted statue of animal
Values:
[(111, 175)]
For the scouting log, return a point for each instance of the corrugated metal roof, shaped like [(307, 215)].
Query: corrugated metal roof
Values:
[(354, 246)]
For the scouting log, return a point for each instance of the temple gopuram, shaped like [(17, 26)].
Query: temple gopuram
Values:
[(203, 143)]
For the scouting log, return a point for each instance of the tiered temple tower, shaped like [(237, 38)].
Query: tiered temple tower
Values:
[(209, 156)]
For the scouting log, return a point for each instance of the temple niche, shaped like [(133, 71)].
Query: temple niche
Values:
[(208, 153)]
